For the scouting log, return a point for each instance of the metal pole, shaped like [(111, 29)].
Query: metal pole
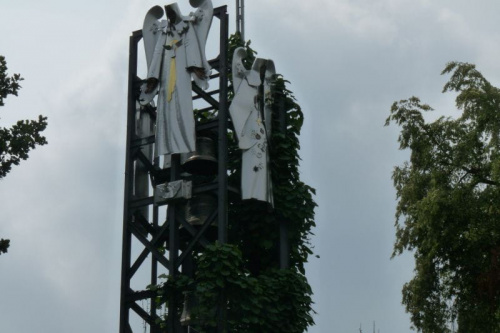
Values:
[(243, 19), (223, 115), (173, 248), (240, 18), (129, 178), (223, 123), (284, 241)]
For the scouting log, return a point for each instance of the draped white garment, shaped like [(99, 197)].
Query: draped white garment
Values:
[(178, 48), (252, 138)]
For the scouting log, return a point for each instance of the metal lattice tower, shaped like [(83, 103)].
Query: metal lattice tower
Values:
[(142, 224)]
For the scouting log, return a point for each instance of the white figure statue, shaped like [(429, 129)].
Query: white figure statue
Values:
[(251, 129), (175, 52)]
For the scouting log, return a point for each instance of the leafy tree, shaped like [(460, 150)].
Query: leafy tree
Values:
[(18, 140), (448, 211)]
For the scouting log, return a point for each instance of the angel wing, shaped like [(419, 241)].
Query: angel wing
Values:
[(151, 31), (204, 15), (202, 18), (153, 45)]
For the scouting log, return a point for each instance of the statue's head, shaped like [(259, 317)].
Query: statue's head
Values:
[(196, 3), (270, 69), (259, 65), (174, 15)]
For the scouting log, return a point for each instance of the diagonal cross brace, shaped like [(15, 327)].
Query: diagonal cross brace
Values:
[(209, 99), (198, 236), (154, 242), (149, 245), (144, 160), (143, 314), (141, 220)]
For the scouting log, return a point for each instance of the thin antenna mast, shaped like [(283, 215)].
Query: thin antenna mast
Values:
[(240, 18)]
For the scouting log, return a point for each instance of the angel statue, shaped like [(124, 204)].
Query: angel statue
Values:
[(175, 53), (251, 116)]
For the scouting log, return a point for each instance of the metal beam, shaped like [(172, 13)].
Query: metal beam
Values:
[(129, 178)]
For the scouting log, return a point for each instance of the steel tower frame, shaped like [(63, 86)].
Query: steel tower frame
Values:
[(142, 174)]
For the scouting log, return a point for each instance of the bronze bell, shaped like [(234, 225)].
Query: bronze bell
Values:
[(186, 310), (203, 161), (199, 208)]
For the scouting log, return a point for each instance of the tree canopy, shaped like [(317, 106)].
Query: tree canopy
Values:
[(448, 211), (18, 140)]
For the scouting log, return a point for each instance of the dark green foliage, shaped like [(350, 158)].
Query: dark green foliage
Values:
[(4, 245), (17, 141), (260, 297), (8, 85), (449, 207), (273, 301)]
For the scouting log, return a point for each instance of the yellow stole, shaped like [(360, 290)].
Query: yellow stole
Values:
[(173, 75)]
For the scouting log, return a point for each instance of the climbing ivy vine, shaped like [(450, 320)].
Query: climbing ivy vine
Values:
[(260, 297)]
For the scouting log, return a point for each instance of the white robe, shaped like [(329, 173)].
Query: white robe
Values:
[(252, 138), (178, 48)]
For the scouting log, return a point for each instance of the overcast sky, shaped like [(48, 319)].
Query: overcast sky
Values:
[(347, 61)]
